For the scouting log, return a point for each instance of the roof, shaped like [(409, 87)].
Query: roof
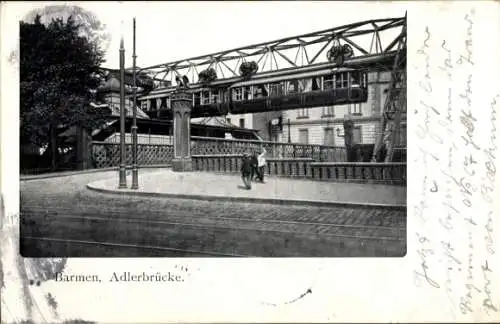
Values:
[(215, 121), (115, 109), (221, 122), (152, 121)]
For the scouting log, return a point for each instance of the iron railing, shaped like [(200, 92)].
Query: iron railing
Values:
[(106, 154), (275, 150)]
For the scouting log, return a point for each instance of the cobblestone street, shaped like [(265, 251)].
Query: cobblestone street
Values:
[(61, 217)]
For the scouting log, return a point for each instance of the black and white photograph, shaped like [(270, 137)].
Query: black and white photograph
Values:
[(292, 147)]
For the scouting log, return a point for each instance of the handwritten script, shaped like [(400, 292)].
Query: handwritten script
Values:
[(456, 140)]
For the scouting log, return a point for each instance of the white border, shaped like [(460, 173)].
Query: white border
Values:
[(343, 290)]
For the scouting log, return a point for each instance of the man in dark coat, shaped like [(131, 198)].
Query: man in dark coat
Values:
[(254, 163), (246, 170)]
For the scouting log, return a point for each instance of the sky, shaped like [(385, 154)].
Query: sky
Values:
[(167, 31)]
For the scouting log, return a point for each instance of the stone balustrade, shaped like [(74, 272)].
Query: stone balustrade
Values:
[(295, 168), (232, 163), (386, 173), (371, 172)]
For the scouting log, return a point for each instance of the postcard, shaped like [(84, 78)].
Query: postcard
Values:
[(249, 162)]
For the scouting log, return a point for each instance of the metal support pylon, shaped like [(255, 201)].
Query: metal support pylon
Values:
[(395, 103)]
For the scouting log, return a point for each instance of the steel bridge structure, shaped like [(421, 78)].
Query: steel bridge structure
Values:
[(353, 47), (295, 52)]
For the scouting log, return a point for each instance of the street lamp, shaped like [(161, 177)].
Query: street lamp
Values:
[(289, 137), (135, 180), (123, 175)]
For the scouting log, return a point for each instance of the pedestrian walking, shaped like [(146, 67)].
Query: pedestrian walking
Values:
[(246, 170), (261, 164), (255, 169)]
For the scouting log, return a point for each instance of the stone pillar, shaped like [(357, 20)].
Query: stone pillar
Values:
[(83, 149), (182, 103)]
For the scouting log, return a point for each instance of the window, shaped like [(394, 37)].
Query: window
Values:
[(328, 81), (260, 91), (304, 136), (276, 89), (214, 96), (242, 122), (356, 109), (153, 104), (356, 135), (205, 97), (329, 138), (345, 79), (355, 79), (237, 94), (329, 111), (305, 85), (247, 93), (303, 113), (293, 86), (341, 80), (316, 84), (144, 105), (196, 98), (225, 95), (228, 120), (163, 103)]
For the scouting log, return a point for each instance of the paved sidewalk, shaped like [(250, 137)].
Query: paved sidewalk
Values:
[(213, 186)]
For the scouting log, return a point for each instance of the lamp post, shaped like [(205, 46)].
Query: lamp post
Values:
[(135, 180), (289, 137), (123, 175)]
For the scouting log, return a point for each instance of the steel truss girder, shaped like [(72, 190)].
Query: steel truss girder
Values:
[(395, 104), (226, 63)]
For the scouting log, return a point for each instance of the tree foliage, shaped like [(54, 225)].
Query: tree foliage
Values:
[(90, 26), (59, 76)]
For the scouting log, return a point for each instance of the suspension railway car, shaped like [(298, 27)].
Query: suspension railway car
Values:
[(272, 92)]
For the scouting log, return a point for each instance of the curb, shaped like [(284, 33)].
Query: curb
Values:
[(129, 192), (71, 173), (305, 178)]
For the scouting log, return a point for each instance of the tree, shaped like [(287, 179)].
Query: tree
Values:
[(59, 76), (90, 25)]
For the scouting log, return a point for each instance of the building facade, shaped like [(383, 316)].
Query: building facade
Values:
[(324, 125), (258, 121)]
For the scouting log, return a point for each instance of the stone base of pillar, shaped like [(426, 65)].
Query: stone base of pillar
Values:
[(182, 165)]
